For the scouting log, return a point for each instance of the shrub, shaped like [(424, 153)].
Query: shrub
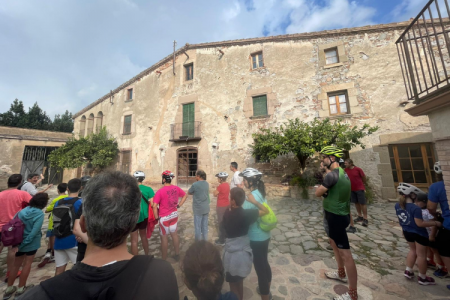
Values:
[(304, 181)]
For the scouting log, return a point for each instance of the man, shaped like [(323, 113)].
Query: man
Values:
[(66, 246), (437, 195), (167, 198), (336, 190), (30, 185), (200, 205), (79, 235), (236, 180), (111, 204), (358, 181), (12, 201)]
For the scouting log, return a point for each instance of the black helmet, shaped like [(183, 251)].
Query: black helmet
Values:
[(85, 179)]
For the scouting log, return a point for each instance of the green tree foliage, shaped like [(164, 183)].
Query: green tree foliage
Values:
[(98, 149), (35, 118), (304, 139)]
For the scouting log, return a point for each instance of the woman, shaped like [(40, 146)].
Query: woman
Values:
[(32, 217)]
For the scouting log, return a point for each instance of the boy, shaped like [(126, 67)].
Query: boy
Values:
[(200, 205)]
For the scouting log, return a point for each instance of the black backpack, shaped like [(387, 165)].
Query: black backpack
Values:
[(64, 217)]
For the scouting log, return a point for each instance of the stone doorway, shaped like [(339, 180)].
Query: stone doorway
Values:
[(35, 161), (187, 165)]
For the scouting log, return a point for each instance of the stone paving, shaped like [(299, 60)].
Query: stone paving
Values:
[(299, 258)]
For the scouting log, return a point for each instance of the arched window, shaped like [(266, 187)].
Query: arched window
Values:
[(82, 126), (90, 124), (99, 122)]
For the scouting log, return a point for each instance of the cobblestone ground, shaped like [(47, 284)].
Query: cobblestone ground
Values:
[(299, 258)]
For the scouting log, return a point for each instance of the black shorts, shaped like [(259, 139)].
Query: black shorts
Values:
[(29, 253), (443, 242), (337, 228), (231, 278), (141, 225), (412, 237), (359, 197)]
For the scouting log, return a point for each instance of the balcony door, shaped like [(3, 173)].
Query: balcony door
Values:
[(188, 120), (187, 166), (413, 163)]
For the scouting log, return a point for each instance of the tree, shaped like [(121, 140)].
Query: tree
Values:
[(63, 123), (304, 139), (38, 119), (16, 116), (98, 149)]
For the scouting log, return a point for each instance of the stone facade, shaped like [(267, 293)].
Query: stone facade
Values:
[(297, 82)]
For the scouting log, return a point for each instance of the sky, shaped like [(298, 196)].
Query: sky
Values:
[(65, 54)]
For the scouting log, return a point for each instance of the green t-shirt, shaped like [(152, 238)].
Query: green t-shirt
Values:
[(337, 198), (148, 193), (50, 209)]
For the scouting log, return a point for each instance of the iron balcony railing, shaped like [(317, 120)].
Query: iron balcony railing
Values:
[(423, 50), (187, 131)]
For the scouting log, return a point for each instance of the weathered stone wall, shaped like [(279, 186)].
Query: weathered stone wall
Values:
[(296, 83)]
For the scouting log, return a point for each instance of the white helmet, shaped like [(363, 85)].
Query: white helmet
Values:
[(251, 172), (222, 175), (139, 174), (437, 168), (407, 189)]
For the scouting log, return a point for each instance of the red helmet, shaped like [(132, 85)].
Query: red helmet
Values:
[(167, 174)]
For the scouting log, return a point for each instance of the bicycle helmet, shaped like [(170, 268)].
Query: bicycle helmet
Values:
[(408, 189), (331, 150), (222, 175), (85, 179), (168, 175), (250, 172), (437, 168), (139, 175)]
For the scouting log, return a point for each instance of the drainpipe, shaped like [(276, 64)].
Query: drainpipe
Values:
[(174, 45)]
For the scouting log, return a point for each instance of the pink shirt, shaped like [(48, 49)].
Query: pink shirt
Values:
[(167, 198), (11, 202)]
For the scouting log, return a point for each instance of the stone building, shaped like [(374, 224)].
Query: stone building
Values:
[(198, 107)]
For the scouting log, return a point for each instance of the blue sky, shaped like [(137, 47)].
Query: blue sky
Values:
[(66, 54)]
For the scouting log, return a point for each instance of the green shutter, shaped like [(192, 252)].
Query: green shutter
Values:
[(189, 119), (260, 106)]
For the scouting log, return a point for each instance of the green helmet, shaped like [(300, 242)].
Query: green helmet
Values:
[(331, 150)]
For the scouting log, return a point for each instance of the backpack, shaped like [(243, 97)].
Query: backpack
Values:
[(64, 217), (12, 232), (269, 221)]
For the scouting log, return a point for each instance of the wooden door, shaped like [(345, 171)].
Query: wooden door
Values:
[(186, 166), (188, 119)]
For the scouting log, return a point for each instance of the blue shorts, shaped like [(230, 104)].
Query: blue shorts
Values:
[(50, 233)]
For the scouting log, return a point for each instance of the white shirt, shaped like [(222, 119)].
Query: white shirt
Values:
[(236, 180), (29, 188)]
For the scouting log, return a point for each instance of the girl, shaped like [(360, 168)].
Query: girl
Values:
[(259, 239), (223, 202), (32, 217), (203, 272), (413, 225)]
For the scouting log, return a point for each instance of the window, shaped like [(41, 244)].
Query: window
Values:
[(126, 161), (189, 71), (188, 120), (90, 124), (99, 122), (82, 126), (257, 60), (127, 125), (338, 103), (260, 106), (331, 56), (130, 94)]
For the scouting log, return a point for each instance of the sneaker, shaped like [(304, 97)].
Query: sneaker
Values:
[(335, 275), (45, 260), (345, 296), (218, 242), (176, 257), (409, 275), (431, 264), (21, 291), (426, 281), (440, 273), (365, 223), (259, 293), (10, 290), (351, 229), (52, 259), (359, 219)]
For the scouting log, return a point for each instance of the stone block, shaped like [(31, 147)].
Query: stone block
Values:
[(388, 193), (322, 96), (325, 104), (356, 110), (324, 113), (387, 180), (352, 92), (353, 101), (384, 168), (384, 157)]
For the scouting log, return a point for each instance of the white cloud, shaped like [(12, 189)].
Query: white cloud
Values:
[(232, 12)]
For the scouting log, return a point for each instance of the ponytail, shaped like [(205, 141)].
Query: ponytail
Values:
[(261, 188), (402, 201)]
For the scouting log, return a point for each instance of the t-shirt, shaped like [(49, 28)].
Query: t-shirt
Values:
[(437, 194), (255, 233), (200, 192), (29, 188), (236, 222), (69, 241), (11, 202), (356, 175), (406, 218), (167, 198), (148, 193), (223, 199), (236, 179), (337, 199), (427, 217), (50, 209)]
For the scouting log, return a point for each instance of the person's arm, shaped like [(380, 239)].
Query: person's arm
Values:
[(155, 212), (44, 190), (37, 225), (433, 233), (262, 209), (51, 206), (320, 191), (432, 208), (216, 192), (78, 233), (191, 190), (183, 200), (363, 177), (240, 182), (328, 182), (40, 179), (422, 223)]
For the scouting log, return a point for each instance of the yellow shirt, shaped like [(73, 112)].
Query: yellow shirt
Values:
[(50, 209)]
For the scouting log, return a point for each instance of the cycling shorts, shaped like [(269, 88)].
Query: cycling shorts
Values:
[(168, 224)]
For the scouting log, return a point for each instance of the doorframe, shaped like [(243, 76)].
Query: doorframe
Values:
[(187, 150)]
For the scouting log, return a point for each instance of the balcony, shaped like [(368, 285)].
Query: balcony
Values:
[(423, 51), (183, 132)]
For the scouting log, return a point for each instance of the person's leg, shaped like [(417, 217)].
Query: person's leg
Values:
[(412, 256), (220, 229), (238, 289), (26, 268), (61, 260), (10, 260), (205, 227), (337, 255), (52, 244), (350, 268), (15, 269), (421, 259), (259, 262), (198, 227), (352, 224), (364, 210), (358, 210), (176, 242), (134, 242), (164, 246), (144, 240)]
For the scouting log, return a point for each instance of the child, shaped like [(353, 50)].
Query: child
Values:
[(422, 200), (413, 225), (223, 201), (203, 272), (200, 205), (238, 257), (50, 254)]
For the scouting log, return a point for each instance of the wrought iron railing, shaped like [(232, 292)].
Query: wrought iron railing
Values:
[(185, 131), (423, 50)]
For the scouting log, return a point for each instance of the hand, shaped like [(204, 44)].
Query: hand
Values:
[(250, 199), (178, 206), (432, 238), (438, 224), (15, 249), (42, 176), (50, 185), (79, 240)]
